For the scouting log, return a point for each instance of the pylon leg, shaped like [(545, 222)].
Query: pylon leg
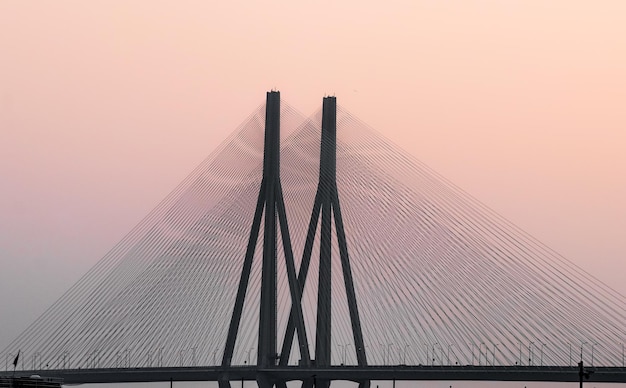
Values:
[(243, 282), (302, 275), (324, 299), (294, 288)]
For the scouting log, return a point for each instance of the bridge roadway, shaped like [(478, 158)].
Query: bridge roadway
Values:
[(350, 373)]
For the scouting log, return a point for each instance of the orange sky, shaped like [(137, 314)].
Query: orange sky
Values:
[(105, 106)]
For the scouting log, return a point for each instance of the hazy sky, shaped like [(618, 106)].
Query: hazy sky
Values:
[(106, 105)]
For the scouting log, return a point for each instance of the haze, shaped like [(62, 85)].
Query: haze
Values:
[(106, 105)]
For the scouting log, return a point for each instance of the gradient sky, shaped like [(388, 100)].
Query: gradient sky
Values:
[(106, 105)]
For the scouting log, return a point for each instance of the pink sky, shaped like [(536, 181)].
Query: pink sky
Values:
[(106, 105)]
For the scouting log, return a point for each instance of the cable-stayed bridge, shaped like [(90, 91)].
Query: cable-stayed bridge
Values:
[(313, 249)]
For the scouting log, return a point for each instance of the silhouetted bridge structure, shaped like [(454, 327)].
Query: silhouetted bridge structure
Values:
[(345, 373), (380, 254)]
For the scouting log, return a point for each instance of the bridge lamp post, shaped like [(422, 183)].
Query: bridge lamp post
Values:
[(472, 346), (477, 356), (592, 347), (442, 354), (541, 358), (247, 359), (389, 352), (448, 353), (622, 354), (480, 352), (35, 356), (495, 349), (434, 353), (520, 353), (530, 355), (342, 351), (582, 344), (486, 354), (479, 348), (384, 354), (406, 346)]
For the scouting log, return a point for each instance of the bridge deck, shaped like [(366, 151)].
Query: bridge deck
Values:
[(350, 373)]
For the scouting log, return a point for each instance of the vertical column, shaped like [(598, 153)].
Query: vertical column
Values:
[(327, 184), (328, 149), (271, 169), (327, 206)]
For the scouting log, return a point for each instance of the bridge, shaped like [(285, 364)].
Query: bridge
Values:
[(413, 279), (345, 373)]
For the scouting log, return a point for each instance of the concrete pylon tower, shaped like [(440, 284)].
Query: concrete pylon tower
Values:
[(328, 208), (271, 199)]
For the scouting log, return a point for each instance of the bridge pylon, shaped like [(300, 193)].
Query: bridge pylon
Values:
[(327, 207), (271, 207)]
